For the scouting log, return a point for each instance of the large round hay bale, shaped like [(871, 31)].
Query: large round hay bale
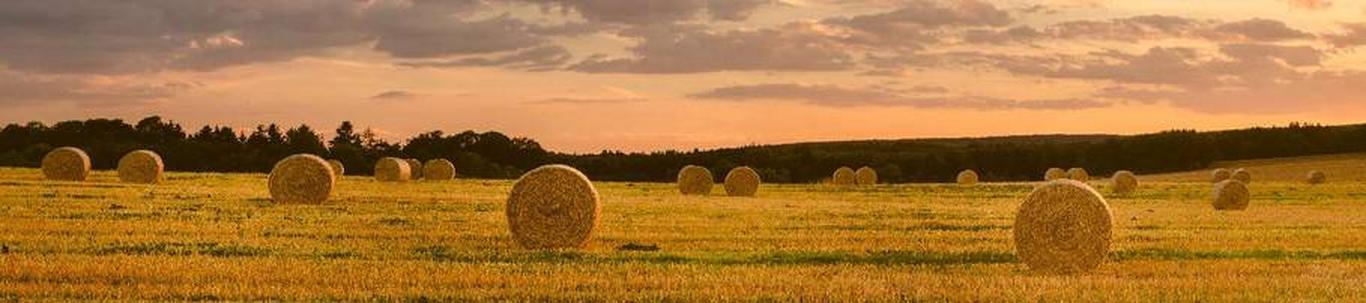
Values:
[(553, 206), (1063, 226), (843, 176), (1124, 182), (1316, 177), (301, 178), (438, 170), (1242, 175), (1231, 194), (865, 176), (66, 164), (695, 180), (1054, 174), (390, 169), (1219, 175), (337, 167), (141, 166), (742, 182), (1078, 174), (967, 177), (417, 168)]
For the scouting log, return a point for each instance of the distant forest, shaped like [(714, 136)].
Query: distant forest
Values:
[(495, 155)]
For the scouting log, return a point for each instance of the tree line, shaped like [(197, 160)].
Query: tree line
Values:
[(495, 155)]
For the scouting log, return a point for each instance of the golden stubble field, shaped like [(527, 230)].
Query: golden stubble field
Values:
[(218, 236)]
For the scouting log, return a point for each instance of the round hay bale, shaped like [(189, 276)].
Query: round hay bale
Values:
[(438, 170), (1054, 174), (742, 182), (337, 167), (301, 178), (415, 167), (1078, 174), (1242, 175), (1063, 226), (967, 178), (1219, 175), (695, 180), (843, 176), (66, 164), (553, 206), (1231, 194), (865, 176), (1316, 177), (390, 169), (1124, 182), (141, 166)]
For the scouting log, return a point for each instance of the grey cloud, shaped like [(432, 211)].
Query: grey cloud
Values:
[(840, 96), (543, 58), (1148, 27), (793, 47), (20, 89), (1354, 34), (393, 95), (655, 11)]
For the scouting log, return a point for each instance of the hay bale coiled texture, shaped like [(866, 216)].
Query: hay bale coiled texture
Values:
[(553, 206), (1242, 175), (1063, 226), (695, 180), (1078, 174), (1124, 182), (1219, 175), (742, 182), (390, 169), (415, 167), (301, 179), (141, 166), (865, 176), (438, 170), (1231, 194), (843, 176), (1316, 177), (337, 167), (1054, 174), (967, 177), (66, 164)]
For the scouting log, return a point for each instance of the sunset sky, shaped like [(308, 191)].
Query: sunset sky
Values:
[(640, 75)]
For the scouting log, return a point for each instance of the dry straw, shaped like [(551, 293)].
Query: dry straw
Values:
[(1063, 227), (967, 177), (438, 170), (1219, 175), (141, 166), (66, 164), (415, 167), (843, 176), (1316, 177), (742, 181), (1124, 182), (1054, 174), (301, 178), (337, 167), (865, 176), (1231, 195), (695, 180), (1078, 174), (390, 169), (1242, 175), (553, 206)]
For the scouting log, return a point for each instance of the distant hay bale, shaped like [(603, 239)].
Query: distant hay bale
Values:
[(301, 179), (66, 164), (1078, 174), (1316, 177), (742, 182), (438, 170), (843, 176), (967, 177), (390, 169), (1124, 182), (1242, 175), (1231, 194), (1054, 174), (337, 167), (695, 180), (141, 166), (865, 176), (416, 168), (553, 206), (1063, 226), (1219, 175)]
